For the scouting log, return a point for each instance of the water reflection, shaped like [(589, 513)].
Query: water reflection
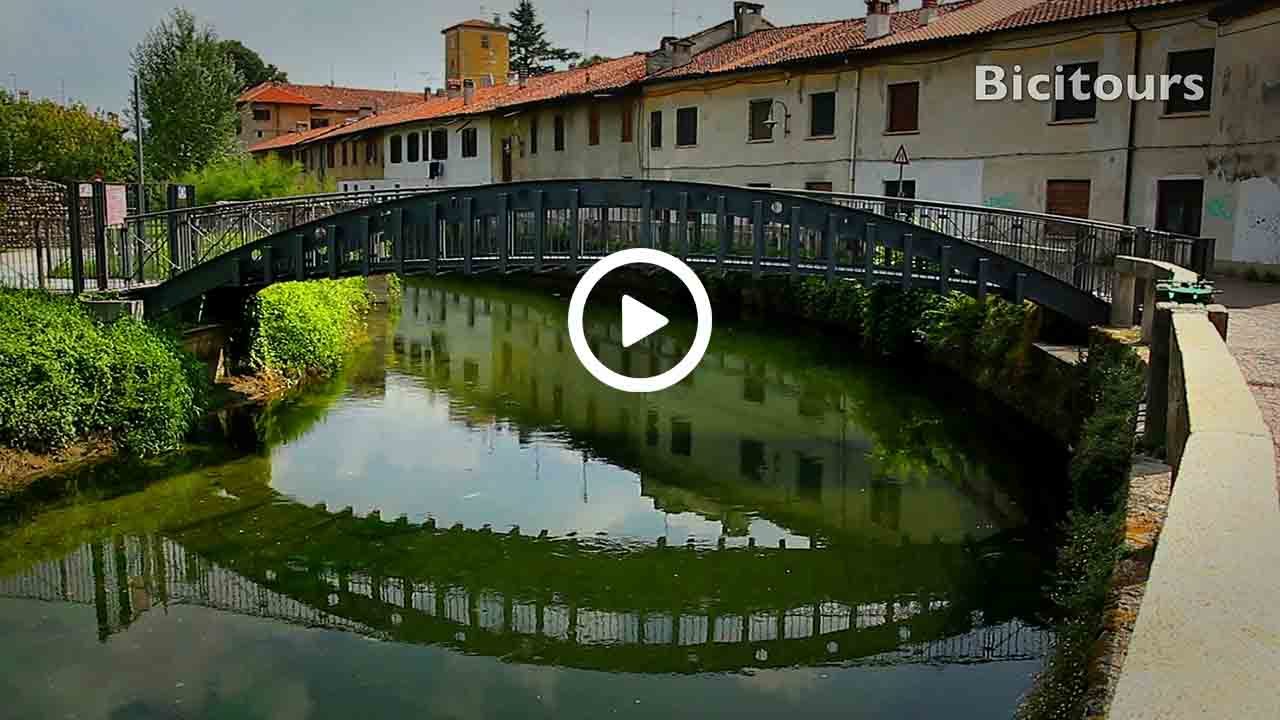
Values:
[(466, 489)]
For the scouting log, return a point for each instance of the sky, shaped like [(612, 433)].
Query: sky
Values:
[(79, 50)]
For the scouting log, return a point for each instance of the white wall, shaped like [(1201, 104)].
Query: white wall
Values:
[(458, 170)]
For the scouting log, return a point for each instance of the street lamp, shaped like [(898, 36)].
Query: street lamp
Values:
[(770, 122)]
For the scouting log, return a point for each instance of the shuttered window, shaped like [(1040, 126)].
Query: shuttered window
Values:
[(1067, 197), (533, 135), (822, 114), (470, 142), (559, 133), (686, 127), (593, 125), (655, 129), (396, 150), (440, 144), (759, 127), (904, 107), (1190, 62), (1070, 107), (412, 150), (628, 121)]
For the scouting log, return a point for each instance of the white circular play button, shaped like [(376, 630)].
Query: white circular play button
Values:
[(639, 321)]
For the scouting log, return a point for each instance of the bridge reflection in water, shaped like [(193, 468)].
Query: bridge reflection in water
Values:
[(130, 575)]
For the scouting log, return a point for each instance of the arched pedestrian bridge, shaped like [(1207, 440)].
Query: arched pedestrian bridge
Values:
[(566, 225)]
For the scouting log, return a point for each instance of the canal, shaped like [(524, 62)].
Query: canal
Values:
[(465, 524)]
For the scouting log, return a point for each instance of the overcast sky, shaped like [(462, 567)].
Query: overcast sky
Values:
[(84, 45)]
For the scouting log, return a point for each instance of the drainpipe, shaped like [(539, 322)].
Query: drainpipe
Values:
[(853, 141), (1133, 113)]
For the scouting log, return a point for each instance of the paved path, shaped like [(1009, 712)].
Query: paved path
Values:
[(1254, 338)]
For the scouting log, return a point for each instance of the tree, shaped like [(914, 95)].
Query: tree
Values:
[(252, 68), (531, 52), (188, 87), (61, 142), (590, 60)]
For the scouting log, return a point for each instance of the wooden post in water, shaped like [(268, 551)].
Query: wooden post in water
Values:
[(575, 198), (433, 237), (793, 245), (646, 219), (829, 245), (468, 224), (300, 256), (722, 230), (757, 237), (539, 228), (366, 243), (944, 273), (268, 264), (331, 237), (682, 226), (908, 257), (982, 279)]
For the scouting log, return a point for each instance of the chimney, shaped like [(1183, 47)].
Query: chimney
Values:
[(681, 53), (366, 111), (928, 11), (453, 89), (426, 92), (468, 92), (486, 80), (748, 17), (878, 18)]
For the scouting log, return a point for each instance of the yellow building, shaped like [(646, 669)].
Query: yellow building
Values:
[(476, 50)]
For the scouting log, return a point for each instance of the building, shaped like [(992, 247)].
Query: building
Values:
[(831, 105), (271, 109), (476, 51)]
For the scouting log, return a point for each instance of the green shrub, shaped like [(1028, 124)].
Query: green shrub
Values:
[(240, 177), (63, 377), (299, 327), (1100, 464)]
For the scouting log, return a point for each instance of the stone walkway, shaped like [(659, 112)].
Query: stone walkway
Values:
[(1253, 336)]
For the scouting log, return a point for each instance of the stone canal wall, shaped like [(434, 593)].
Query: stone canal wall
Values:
[(28, 207), (1207, 639)]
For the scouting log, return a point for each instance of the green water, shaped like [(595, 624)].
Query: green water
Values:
[(466, 524)]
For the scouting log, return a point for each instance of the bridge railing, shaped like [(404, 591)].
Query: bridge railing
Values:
[(1076, 250)]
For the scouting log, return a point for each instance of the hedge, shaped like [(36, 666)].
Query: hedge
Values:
[(1099, 475), (301, 327), (64, 377)]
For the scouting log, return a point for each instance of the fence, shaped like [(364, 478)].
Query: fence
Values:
[(1075, 250), (152, 247)]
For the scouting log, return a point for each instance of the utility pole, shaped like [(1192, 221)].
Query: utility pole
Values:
[(137, 130)]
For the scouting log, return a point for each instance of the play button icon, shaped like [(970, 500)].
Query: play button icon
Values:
[(639, 321)]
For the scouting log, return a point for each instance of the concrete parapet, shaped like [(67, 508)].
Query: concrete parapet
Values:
[(1129, 270), (1207, 639)]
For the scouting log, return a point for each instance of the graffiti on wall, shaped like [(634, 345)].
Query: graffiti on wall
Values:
[(1257, 227), (1004, 201)]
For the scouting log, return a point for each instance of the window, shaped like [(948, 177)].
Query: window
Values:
[(1190, 62), (1071, 108), (628, 121), (330, 152), (894, 189), (319, 123), (818, 186), (822, 114), (484, 41), (370, 152), (904, 107), (593, 125), (261, 114), (396, 151), (686, 127), (344, 154), (440, 144), (412, 147), (1069, 198), (355, 153), (470, 142), (1178, 206), (655, 129), (559, 133), (259, 133), (533, 135), (758, 125)]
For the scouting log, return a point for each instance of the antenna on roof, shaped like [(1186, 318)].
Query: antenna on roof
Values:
[(586, 43), (674, 12)]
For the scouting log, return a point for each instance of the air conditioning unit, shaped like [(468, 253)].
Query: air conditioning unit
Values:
[(435, 170)]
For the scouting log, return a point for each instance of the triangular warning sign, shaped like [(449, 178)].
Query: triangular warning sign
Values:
[(901, 158)]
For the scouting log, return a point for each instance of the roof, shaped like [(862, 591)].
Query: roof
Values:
[(964, 18), (272, 93), (291, 139), (479, 24), (603, 77), (329, 97)]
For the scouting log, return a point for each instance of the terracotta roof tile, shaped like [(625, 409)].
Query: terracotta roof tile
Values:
[(602, 77), (291, 139), (271, 93), (1048, 11), (332, 97)]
